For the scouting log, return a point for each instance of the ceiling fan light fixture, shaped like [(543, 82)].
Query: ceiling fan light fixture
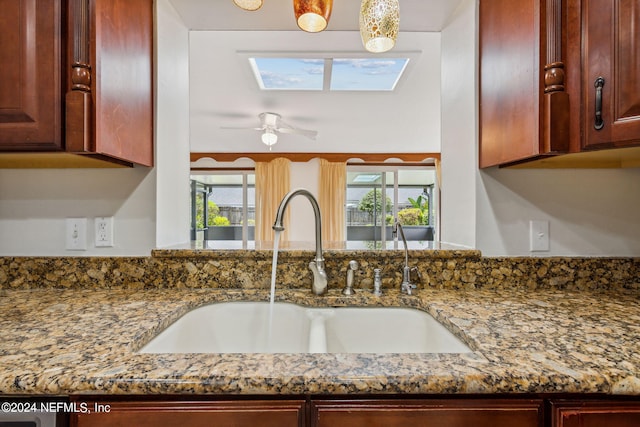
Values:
[(269, 137), (379, 24), (250, 5), (312, 16)]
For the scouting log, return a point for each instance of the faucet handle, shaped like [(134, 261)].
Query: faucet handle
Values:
[(418, 274), (407, 288)]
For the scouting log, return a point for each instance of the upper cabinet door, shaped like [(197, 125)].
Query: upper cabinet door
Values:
[(524, 106), (30, 75), (611, 78), (122, 59), (109, 107)]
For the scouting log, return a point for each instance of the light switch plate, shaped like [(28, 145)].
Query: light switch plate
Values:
[(538, 236), (76, 234)]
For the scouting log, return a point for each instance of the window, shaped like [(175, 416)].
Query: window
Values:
[(379, 74), (288, 73), (408, 197), (326, 73), (230, 201)]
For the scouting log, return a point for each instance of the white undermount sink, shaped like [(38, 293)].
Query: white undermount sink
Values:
[(251, 327)]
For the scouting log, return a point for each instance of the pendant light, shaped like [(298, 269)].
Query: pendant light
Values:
[(379, 24), (312, 15), (248, 4)]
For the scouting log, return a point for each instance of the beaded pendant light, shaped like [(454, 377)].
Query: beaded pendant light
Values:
[(248, 4), (312, 15), (379, 24)]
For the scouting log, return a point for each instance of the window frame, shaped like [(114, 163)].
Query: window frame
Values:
[(383, 169), (244, 173)]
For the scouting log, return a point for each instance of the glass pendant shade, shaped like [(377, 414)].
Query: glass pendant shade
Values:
[(269, 137), (312, 15), (379, 24), (248, 4)]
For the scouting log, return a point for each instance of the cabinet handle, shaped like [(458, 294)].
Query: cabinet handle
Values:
[(599, 84)]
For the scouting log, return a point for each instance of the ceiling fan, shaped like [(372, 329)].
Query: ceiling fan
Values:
[(271, 125)]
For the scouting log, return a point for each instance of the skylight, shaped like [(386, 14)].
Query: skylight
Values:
[(288, 73), (344, 74), (367, 74)]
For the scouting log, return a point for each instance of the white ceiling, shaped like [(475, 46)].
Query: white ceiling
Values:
[(223, 15), (224, 91)]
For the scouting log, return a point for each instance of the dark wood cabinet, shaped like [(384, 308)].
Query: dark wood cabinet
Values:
[(362, 411), (450, 413), (611, 73), (524, 105), (76, 83), (109, 105), (31, 54), (267, 413), (559, 83), (595, 414)]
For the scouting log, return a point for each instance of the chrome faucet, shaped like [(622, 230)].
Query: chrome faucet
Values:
[(316, 266), (406, 287)]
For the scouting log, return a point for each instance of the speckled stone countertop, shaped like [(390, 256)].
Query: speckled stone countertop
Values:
[(84, 341)]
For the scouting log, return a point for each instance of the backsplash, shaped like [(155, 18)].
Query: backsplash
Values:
[(251, 269)]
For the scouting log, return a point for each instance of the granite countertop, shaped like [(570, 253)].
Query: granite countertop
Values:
[(76, 341)]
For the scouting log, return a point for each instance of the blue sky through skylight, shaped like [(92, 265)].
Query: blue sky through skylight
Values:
[(366, 74), (289, 73), (374, 74)]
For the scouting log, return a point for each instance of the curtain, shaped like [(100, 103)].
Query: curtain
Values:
[(272, 184), (332, 200)]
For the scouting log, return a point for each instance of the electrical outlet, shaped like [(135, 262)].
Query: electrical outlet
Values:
[(76, 234), (104, 231), (538, 236)]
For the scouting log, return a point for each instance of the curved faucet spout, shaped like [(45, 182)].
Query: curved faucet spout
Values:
[(406, 286), (319, 286)]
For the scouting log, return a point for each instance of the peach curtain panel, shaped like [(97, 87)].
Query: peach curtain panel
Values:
[(272, 184), (332, 199)]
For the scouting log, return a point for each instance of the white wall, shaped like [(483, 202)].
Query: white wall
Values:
[(459, 160), (35, 202), (591, 212), (172, 127)]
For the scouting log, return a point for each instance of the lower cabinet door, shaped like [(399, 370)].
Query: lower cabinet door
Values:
[(595, 414), (436, 413), (289, 413)]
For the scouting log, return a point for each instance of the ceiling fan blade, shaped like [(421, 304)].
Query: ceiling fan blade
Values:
[(239, 128), (311, 134), (272, 122)]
